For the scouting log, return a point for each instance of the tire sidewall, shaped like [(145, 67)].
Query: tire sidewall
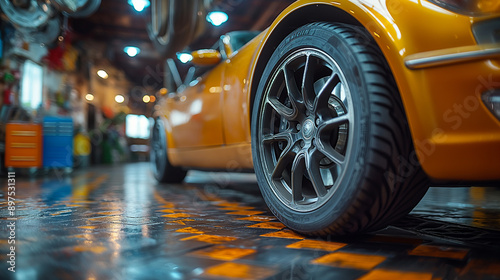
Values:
[(325, 39), (159, 172)]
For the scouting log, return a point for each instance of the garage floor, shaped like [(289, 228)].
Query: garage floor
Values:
[(117, 223)]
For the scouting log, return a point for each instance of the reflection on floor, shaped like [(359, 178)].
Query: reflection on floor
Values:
[(479, 207), (117, 223)]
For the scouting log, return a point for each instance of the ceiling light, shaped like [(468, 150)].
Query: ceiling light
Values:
[(152, 98), (139, 5), (184, 57), (89, 97), (146, 98), (101, 73), (119, 98), (132, 51), (217, 18)]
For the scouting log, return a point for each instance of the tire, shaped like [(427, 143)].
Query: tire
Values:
[(163, 171), (331, 146)]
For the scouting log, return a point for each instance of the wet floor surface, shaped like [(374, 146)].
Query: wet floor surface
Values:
[(118, 223)]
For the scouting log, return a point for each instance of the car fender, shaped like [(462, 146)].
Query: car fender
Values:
[(392, 25)]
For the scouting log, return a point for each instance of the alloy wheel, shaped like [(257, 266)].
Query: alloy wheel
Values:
[(306, 129)]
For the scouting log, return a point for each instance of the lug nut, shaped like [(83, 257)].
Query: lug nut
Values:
[(317, 121), (299, 126)]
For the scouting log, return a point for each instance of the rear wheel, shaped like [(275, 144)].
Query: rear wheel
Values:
[(330, 140), (162, 169)]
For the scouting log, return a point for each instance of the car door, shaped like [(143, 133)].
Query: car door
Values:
[(236, 109), (194, 114)]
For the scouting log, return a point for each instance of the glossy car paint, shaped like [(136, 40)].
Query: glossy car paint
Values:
[(208, 123), (455, 135)]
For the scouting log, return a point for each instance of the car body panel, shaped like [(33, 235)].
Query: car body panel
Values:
[(236, 109), (455, 136), (450, 144), (229, 158), (234, 152), (194, 115)]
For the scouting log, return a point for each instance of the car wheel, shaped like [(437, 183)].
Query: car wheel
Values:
[(330, 140), (162, 169)]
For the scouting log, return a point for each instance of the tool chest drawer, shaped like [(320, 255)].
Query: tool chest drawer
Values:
[(23, 145), (57, 142)]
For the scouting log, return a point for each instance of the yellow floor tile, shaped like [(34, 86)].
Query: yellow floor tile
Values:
[(168, 205), (74, 205), (166, 211), (212, 239), (93, 249), (177, 215), (88, 227), (350, 260), (382, 274), (439, 252), (270, 225), (228, 204), (286, 233), (108, 213), (181, 222), (224, 253), (190, 230), (317, 245), (241, 271)]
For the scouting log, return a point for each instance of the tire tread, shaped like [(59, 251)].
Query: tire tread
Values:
[(384, 205)]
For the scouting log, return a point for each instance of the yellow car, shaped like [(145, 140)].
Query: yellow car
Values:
[(346, 110)]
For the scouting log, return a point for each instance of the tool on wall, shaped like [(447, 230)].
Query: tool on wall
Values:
[(40, 21)]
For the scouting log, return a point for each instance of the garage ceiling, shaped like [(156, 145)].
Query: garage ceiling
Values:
[(117, 24)]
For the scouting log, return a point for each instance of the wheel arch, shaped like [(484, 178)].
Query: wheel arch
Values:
[(376, 20), (287, 24)]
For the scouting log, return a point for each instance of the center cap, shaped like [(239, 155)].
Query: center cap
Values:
[(308, 129)]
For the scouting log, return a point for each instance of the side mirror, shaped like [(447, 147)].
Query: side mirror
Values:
[(206, 57)]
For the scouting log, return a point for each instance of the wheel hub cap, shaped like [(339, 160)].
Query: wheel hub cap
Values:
[(308, 129)]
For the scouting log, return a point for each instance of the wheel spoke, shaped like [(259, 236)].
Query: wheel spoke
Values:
[(282, 109), (293, 90), (308, 82), (337, 91), (312, 166), (287, 156), (333, 123), (280, 136), (298, 168), (327, 150), (321, 100)]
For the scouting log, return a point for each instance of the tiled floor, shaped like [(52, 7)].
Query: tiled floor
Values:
[(118, 223)]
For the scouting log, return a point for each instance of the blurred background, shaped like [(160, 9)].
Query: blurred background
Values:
[(87, 74)]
